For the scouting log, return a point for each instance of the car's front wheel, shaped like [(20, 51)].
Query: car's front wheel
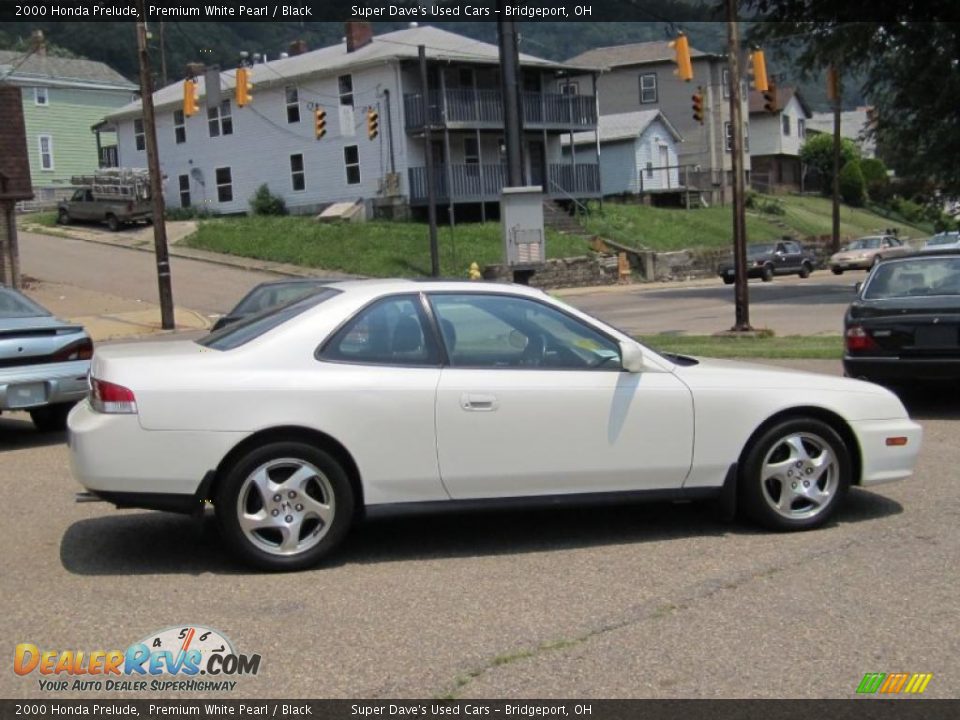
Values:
[(836, 270), (284, 506), (805, 271), (113, 223), (767, 273), (795, 475), (728, 280), (63, 217)]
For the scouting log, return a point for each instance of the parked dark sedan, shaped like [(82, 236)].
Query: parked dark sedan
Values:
[(43, 361), (270, 294), (905, 322), (764, 260)]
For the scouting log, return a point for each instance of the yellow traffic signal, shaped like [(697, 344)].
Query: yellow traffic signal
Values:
[(244, 86), (191, 105), (681, 47), (373, 123), (320, 122), (698, 105), (759, 71), (770, 103)]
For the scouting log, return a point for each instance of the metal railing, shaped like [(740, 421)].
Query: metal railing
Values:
[(484, 108), (473, 182)]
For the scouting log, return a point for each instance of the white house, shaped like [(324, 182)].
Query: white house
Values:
[(217, 158), (638, 152), (776, 139), (854, 125)]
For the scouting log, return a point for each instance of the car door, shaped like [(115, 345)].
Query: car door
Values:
[(794, 255), (532, 401)]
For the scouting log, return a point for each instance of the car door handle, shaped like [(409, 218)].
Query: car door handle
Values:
[(479, 403)]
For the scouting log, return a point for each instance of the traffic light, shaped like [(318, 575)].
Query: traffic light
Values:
[(833, 83), (244, 86), (681, 47), (373, 123), (759, 70), (191, 104), (698, 105), (770, 104), (320, 122)]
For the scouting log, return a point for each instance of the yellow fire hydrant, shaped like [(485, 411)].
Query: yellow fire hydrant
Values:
[(474, 272)]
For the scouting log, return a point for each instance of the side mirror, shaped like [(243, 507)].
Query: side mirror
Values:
[(631, 357)]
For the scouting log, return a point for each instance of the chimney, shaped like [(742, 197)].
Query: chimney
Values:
[(297, 47), (38, 43), (358, 35)]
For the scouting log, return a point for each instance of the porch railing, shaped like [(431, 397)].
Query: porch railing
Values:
[(483, 183), (484, 108)]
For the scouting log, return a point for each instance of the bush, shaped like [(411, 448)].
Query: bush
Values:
[(875, 175), (817, 153), (853, 188), (264, 202)]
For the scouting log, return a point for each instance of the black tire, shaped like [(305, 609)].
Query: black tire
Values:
[(324, 536), (51, 418), (727, 280), (148, 221), (113, 223), (63, 217), (758, 495), (836, 271), (767, 273), (805, 271)]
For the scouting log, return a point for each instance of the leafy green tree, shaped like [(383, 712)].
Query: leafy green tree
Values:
[(875, 175), (853, 188), (817, 153)]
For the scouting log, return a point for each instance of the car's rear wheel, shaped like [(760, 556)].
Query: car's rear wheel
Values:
[(795, 475), (284, 506), (63, 217), (113, 223), (51, 418), (805, 270), (727, 280), (767, 273), (836, 270)]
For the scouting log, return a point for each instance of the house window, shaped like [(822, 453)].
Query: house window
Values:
[(351, 162), (184, 181), (46, 152), (725, 82), (179, 127), (728, 135), (298, 177), (648, 89), (570, 88), (40, 96), (293, 104), (785, 122), (219, 120), (138, 137), (801, 128), (345, 82), (649, 169), (224, 185), (471, 151)]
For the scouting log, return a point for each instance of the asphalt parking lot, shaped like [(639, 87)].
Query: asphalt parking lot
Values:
[(643, 601)]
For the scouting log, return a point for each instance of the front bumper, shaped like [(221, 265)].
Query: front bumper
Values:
[(851, 264), (882, 462), (899, 369), (31, 386)]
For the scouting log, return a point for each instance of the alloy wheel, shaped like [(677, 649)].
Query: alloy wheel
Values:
[(799, 476)]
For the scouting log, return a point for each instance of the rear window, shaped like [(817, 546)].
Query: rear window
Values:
[(15, 305), (243, 331), (268, 296), (914, 278)]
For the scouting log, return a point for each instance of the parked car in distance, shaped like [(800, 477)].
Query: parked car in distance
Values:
[(904, 324), (115, 212), (764, 260), (943, 241), (863, 253), (383, 396), (268, 295), (43, 361)]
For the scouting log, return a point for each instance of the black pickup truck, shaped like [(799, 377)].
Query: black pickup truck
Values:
[(764, 260)]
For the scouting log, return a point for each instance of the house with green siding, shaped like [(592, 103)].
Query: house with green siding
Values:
[(62, 99)]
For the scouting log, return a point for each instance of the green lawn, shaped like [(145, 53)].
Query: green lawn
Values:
[(676, 229), (377, 249), (790, 346)]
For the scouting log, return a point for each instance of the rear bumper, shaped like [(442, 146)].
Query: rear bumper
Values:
[(32, 386), (753, 271), (886, 463), (893, 369)]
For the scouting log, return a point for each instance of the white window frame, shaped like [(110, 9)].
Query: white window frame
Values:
[(139, 135), (179, 127), (302, 173), (292, 105), (648, 88), (570, 87), (41, 96), (346, 96), (348, 165), (217, 117), (219, 184), (49, 153)]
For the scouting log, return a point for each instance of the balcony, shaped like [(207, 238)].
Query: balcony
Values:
[(482, 183), (483, 110)]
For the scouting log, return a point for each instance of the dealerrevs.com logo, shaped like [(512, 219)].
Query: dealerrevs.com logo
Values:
[(187, 658)]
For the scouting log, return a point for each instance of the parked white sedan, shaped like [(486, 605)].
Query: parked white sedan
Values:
[(376, 396)]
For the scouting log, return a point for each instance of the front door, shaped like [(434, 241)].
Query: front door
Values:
[(534, 402), (664, 160)]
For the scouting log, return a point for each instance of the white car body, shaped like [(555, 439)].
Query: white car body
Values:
[(443, 434)]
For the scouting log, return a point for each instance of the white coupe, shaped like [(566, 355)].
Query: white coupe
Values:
[(384, 395)]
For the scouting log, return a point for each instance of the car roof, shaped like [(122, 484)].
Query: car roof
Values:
[(925, 255)]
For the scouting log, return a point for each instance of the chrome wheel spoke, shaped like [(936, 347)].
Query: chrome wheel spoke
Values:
[(317, 509), (797, 448), (251, 522), (799, 475), (298, 480), (291, 537), (263, 484)]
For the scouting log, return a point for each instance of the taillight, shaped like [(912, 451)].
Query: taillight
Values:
[(107, 397), (80, 350), (859, 340)]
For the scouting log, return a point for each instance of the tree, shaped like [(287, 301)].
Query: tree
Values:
[(853, 188), (875, 175), (817, 154)]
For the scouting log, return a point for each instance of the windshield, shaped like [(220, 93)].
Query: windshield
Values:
[(761, 249), (943, 240), (243, 331), (15, 305), (273, 294), (918, 277), (867, 243)]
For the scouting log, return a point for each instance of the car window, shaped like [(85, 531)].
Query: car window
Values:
[(914, 278), (15, 305), (88, 196), (392, 331), (267, 296), (498, 331), (247, 329), (78, 195)]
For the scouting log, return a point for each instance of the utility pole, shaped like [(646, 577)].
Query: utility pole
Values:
[(153, 165), (163, 57), (740, 291), (509, 63), (428, 152), (835, 95)]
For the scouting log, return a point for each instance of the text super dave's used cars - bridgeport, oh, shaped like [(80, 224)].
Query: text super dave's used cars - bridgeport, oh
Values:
[(381, 396)]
